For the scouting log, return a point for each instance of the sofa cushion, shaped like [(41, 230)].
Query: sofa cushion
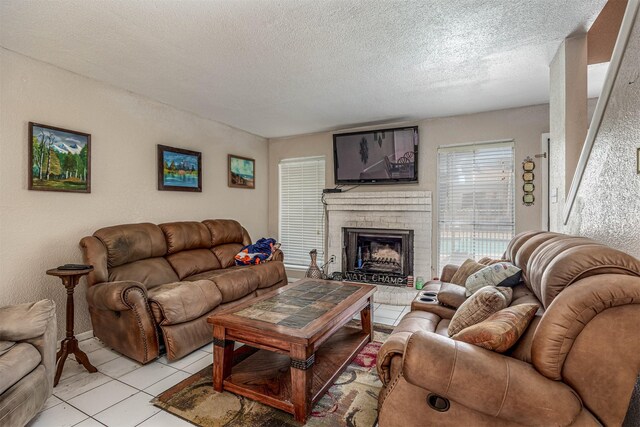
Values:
[(179, 302), (236, 283), (224, 231), (16, 363), (498, 274), (500, 331), (190, 262), (466, 269), (132, 242), (452, 295), (479, 306), (269, 273), (6, 346), (226, 253), (151, 272), (185, 235)]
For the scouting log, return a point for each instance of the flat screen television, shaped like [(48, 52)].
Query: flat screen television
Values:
[(383, 156)]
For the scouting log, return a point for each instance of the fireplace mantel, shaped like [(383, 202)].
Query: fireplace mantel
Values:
[(404, 210)]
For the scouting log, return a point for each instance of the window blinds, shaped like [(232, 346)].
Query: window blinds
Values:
[(301, 209), (476, 201)]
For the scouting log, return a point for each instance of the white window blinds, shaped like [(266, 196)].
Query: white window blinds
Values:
[(301, 209), (476, 201)]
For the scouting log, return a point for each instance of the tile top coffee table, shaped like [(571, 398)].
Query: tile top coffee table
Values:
[(303, 341)]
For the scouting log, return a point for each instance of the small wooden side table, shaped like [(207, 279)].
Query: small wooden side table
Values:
[(69, 345)]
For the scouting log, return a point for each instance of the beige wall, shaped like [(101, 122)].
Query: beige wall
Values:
[(524, 125), (568, 120), (607, 206), (40, 230)]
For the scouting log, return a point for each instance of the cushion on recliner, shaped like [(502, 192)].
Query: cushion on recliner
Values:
[(465, 270), (226, 253), (236, 283), (186, 235), (190, 262), (479, 306), (180, 302), (151, 272), (224, 231), (16, 363), (132, 242), (269, 273), (6, 346)]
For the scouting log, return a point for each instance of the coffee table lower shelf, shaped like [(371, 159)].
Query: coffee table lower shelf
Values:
[(265, 376)]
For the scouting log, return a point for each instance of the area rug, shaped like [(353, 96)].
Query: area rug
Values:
[(352, 400)]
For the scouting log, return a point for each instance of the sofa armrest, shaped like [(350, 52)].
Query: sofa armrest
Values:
[(447, 272), (26, 321), (277, 255), (488, 382), (115, 296), (392, 347), (34, 323)]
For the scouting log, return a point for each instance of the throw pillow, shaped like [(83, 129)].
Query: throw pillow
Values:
[(498, 274), (451, 295), (479, 306), (489, 261), (465, 270), (500, 331)]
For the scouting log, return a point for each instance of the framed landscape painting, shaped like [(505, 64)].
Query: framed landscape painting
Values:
[(179, 170), (59, 159), (242, 172)]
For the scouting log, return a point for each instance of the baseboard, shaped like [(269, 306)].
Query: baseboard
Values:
[(85, 335)]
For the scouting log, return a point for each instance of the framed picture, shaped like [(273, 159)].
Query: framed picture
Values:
[(179, 169), (59, 159), (242, 172)]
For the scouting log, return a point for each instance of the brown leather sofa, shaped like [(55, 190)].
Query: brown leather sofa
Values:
[(161, 282), (575, 365)]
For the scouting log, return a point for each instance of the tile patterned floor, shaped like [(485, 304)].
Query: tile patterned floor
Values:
[(120, 392)]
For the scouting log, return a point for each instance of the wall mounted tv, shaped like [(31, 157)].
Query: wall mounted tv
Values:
[(383, 156)]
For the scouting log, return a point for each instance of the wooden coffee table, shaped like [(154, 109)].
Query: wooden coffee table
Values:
[(302, 339)]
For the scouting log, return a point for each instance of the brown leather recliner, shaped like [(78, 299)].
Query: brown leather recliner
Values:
[(576, 364), (153, 282)]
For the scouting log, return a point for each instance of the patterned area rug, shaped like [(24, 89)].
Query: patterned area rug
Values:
[(352, 400)]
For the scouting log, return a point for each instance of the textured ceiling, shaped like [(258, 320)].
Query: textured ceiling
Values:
[(285, 67)]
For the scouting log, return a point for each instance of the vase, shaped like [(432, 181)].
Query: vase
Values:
[(313, 271)]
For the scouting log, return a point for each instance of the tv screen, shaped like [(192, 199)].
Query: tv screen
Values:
[(384, 156)]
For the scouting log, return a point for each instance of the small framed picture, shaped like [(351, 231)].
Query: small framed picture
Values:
[(59, 159), (242, 172), (528, 187), (179, 169)]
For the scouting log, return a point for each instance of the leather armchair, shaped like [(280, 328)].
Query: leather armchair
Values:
[(27, 360)]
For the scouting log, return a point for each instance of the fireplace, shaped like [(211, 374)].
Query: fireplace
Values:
[(381, 256)]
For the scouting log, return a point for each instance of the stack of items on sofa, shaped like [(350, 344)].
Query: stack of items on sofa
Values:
[(545, 336), (163, 281)]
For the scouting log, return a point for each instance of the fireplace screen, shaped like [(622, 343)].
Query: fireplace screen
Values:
[(378, 255)]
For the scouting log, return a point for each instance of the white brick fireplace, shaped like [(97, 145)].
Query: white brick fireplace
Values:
[(393, 210)]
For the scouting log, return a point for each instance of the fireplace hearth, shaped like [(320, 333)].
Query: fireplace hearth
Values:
[(380, 256)]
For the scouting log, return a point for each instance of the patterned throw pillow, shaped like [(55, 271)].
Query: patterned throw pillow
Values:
[(465, 270), (498, 274), (479, 306), (500, 331)]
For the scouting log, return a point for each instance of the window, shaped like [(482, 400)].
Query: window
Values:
[(301, 209), (476, 201)]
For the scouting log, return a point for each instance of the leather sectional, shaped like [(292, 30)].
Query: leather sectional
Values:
[(155, 283), (576, 363)]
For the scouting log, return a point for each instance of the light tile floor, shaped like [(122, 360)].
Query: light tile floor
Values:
[(119, 394)]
